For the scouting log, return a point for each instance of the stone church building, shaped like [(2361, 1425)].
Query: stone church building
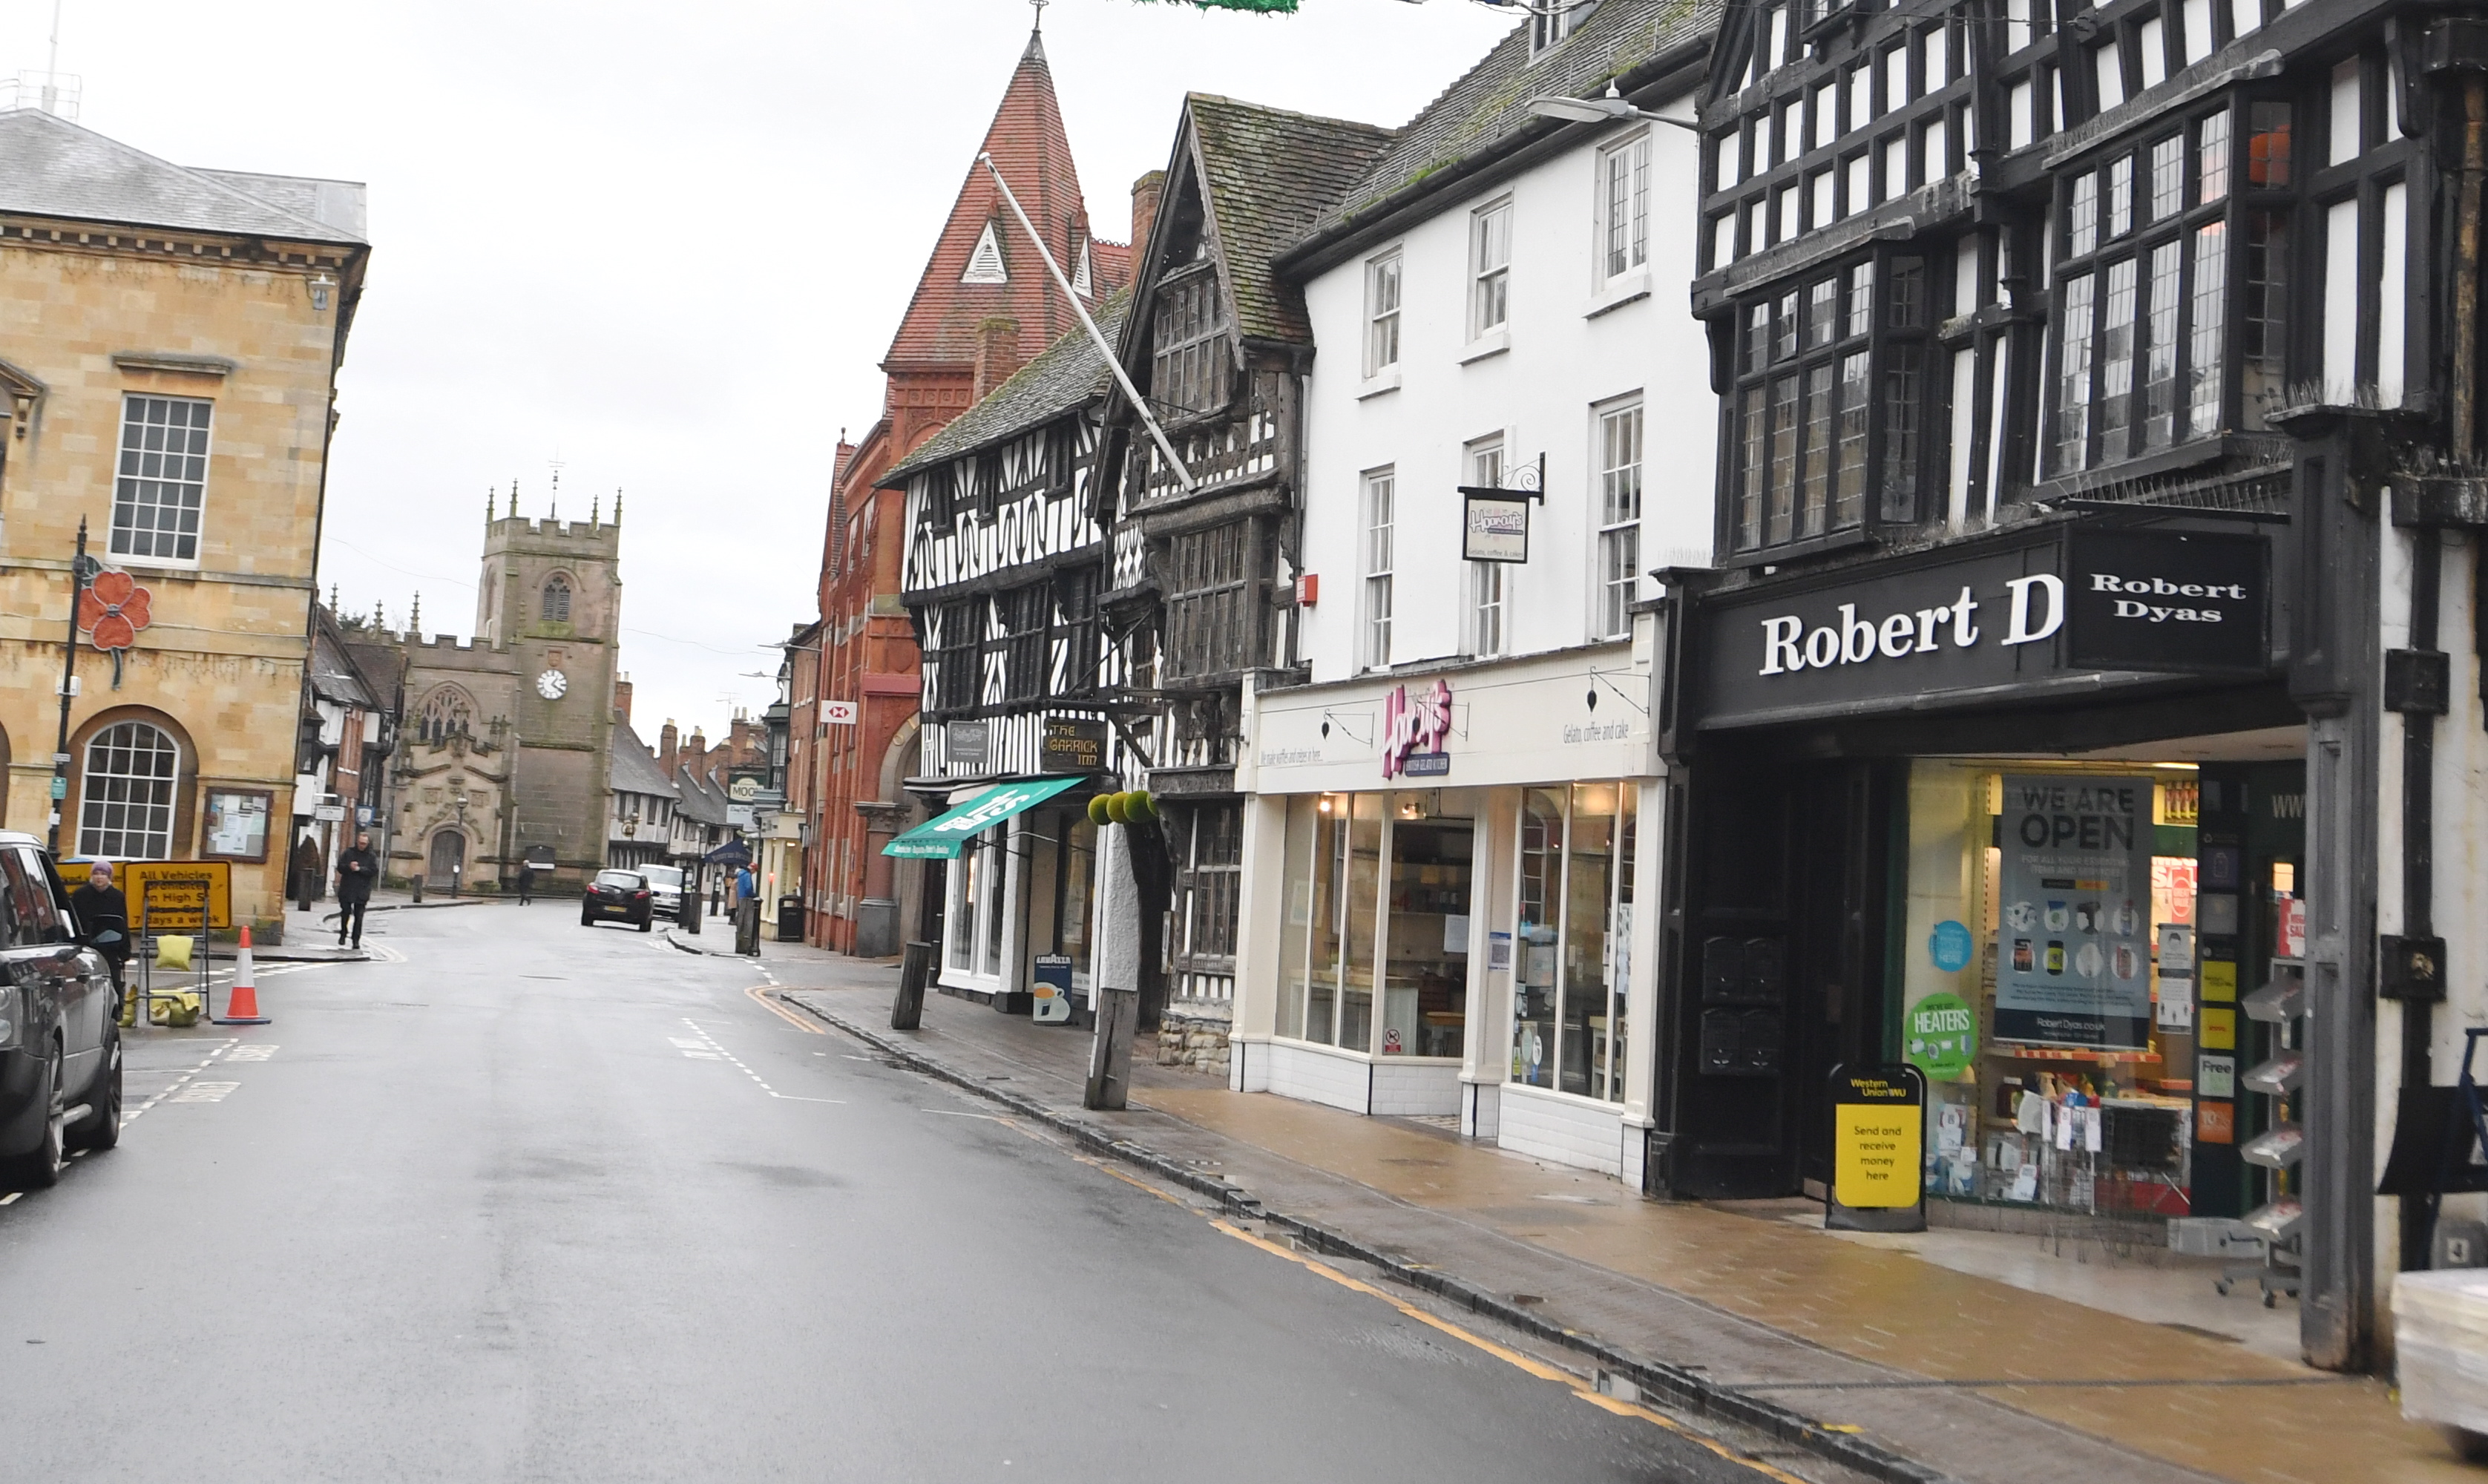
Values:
[(504, 754)]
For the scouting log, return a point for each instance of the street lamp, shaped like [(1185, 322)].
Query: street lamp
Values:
[(458, 863), (1613, 108)]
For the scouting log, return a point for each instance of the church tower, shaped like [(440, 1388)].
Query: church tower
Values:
[(550, 594)]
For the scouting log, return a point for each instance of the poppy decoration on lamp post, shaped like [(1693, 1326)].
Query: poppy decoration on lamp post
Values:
[(112, 610)]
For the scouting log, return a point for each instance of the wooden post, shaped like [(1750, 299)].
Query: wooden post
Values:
[(1122, 972), (907, 1011), (1110, 1057)]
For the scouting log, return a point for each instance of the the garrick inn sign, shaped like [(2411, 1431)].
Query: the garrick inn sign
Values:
[(2064, 609)]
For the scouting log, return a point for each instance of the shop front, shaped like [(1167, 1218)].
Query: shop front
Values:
[(2027, 812), (1441, 873), (1018, 888)]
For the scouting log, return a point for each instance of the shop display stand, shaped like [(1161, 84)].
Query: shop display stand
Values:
[(2276, 1151)]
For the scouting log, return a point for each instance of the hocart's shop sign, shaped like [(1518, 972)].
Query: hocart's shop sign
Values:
[(2064, 603)]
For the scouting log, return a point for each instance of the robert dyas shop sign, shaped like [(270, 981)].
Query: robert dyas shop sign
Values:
[(1968, 623)]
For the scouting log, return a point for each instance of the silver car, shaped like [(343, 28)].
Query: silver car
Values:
[(665, 884)]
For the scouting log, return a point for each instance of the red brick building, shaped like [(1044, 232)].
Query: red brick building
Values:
[(984, 304)]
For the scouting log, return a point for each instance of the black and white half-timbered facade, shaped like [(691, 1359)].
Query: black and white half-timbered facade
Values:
[(1006, 565), (1205, 560), (2085, 691)]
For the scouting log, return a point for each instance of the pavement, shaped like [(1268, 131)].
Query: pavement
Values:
[(1745, 1310), (518, 1199)]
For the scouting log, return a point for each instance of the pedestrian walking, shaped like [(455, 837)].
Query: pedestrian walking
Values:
[(103, 916), (358, 871), (527, 883)]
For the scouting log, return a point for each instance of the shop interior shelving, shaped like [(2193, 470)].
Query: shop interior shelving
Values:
[(2275, 1152)]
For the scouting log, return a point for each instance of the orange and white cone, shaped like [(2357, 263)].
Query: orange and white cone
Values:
[(241, 1002)]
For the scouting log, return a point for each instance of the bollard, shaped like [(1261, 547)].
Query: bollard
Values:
[(907, 1011), (1109, 1057)]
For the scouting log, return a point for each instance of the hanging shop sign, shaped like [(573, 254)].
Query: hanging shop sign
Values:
[(1878, 1145), (2180, 601), (966, 744), (2072, 950), (1494, 520), (1964, 623), (1072, 744)]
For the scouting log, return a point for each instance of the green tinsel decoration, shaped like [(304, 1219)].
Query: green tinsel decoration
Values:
[(1266, 7)]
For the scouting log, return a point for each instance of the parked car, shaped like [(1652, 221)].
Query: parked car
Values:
[(60, 1025), (666, 886), (623, 894)]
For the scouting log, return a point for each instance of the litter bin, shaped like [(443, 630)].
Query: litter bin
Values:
[(790, 920)]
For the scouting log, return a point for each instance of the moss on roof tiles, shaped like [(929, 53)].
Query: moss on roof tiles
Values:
[(1489, 105), (1269, 174)]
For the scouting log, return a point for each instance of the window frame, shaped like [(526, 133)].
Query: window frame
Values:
[(1188, 357), (1378, 539), (1490, 276), (1212, 577), (958, 654), (1384, 280), (90, 831), (1486, 617), (1021, 640), (1869, 355), (2098, 392), (555, 582), (123, 540), (1616, 259), (1611, 611)]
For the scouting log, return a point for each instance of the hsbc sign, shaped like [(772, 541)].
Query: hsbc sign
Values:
[(1967, 623)]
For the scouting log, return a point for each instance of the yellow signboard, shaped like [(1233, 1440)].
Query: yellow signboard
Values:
[(177, 895), (2217, 1030), (2220, 983), (1875, 1154)]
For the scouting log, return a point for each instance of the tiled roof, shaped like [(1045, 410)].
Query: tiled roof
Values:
[(1490, 105), (1268, 174), (52, 167), (1033, 151), (1064, 375), (632, 769), (334, 674)]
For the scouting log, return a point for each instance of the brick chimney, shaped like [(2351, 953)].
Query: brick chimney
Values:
[(622, 702), (666, 739), (1145, 214), (997, 352)]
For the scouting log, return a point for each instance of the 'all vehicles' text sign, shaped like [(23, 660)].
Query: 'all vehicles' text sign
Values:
[(2074, 912), (177, 896), (1877, 1149)]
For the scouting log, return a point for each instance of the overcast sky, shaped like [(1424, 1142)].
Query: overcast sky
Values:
[(665, 244)]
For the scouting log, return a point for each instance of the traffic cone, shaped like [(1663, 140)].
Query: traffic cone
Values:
[(241, 1001)]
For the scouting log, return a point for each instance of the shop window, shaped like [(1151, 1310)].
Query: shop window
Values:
[(1074, 884), (1573, 971), (2143, 342), (1212, 876), (125, 794), (1829, 405), (1374, 960), (1209, 621), (975, 916)]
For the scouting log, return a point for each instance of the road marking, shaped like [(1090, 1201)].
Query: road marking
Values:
[(708, 1049), (260, 1052), (205, 1092), (801, 1022)]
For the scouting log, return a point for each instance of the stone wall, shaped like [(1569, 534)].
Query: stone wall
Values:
[(1193, 1033)]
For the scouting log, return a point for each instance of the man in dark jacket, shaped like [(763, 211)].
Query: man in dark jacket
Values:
[(104, 918), (358, 871)]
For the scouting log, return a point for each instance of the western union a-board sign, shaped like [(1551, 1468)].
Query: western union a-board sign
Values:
[(177, 896), (1877, 1148)]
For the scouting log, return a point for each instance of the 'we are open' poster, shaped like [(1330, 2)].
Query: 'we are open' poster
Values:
[(2074, 922)]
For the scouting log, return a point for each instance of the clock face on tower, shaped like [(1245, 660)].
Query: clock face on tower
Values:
[(551, 684)]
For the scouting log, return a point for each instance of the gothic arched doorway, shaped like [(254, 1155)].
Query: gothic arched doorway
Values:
[(449, 860)]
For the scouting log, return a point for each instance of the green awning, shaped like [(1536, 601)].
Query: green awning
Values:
[(940, 839)]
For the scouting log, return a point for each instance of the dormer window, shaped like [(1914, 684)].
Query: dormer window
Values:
[(1550, 22)]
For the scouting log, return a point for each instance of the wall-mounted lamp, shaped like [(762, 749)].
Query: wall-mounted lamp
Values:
[(321, 288)]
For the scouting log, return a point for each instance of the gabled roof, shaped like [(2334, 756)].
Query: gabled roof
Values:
[(1488, 106), (632, 769), (1266, 175), (333, 671), (704, 801), (52, 167), (1064, 375), (1033, 151)]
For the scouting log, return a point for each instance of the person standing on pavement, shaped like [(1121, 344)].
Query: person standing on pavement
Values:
[(747, 912), (103, 918), (357, 870), (527, 883)]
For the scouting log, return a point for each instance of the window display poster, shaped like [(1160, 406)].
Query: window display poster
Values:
[(2073, 944)]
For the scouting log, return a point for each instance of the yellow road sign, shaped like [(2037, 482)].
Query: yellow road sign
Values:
[(177, 895)]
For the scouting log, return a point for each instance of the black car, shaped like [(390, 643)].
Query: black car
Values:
[(60, 1025), (623, 894)]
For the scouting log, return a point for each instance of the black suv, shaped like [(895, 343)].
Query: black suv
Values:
[(60, 1025), (623, 894)]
